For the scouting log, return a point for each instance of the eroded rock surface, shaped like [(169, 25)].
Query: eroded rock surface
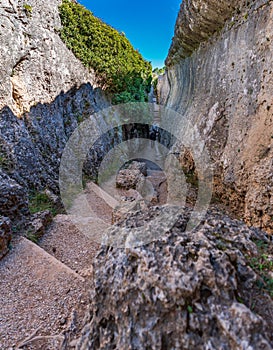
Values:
[(132, 176), (45, 93), (196, 22), (13, 199), (223, 86), (186, 290), (129, 178), (36, 66)]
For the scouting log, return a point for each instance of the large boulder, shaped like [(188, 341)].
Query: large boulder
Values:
[(185, 290), (131, 177), (128, 179), (5, 235)]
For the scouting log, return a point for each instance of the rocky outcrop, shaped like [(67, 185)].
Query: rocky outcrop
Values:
[(45, 93), (131, 177), (222, 83), (186, 290), (13, 200), (36, 65)]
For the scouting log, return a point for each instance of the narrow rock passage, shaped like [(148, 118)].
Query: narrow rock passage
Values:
[(44, 288)]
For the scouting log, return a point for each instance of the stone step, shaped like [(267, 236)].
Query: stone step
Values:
[(42, 285), (37, 291), (109, 186), (109, 200), (75, 240)]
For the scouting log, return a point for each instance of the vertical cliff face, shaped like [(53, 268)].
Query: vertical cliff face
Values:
[(45, 92), (36, 66), (196, 22), (223, 84)]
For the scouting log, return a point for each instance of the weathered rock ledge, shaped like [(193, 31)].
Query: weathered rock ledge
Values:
[(196, 22)]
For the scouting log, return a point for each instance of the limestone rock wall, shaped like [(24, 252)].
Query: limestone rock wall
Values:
[(45, 93), (5, 235), (35, 64), (223, 83), (197, 21)]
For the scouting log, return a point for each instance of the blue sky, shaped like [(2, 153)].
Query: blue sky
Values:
[(149, 25)]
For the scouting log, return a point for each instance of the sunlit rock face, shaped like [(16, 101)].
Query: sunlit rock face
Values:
[(196, 22), (45, 93), (36, 66), (220, 77)]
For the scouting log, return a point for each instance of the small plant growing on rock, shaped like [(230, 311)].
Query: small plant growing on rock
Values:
[(263, 266), (32, 237), (40, 201), (28, 10)]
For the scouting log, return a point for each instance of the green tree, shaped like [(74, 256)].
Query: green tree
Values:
[(119, 68)]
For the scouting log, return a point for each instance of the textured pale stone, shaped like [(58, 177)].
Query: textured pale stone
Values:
[(45, 93), (225, 89), (180, 291), (36, 66)]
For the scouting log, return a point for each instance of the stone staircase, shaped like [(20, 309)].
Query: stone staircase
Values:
[(38, 294), (44, 288)]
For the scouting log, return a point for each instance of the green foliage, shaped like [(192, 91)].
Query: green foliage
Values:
[(190, 309), (156, 73), (32, 237), (155, 82), (39, 201), (28, 9), (263, 265), (120, 69)]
